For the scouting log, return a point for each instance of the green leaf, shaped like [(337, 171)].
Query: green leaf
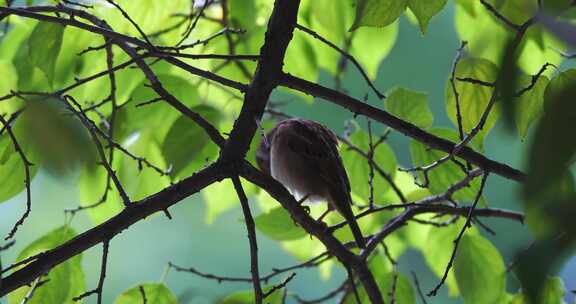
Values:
[(370, 57), (487, 36), (551, 154), (63, 282), (529, 106), (438, 247), (300, 58), (221, 197), (404, 292), (56, 136), (557, 85), (424, 10), (247, 297), (44, 46), (12, 175), (242, 14), (187, 143), (138, 181), (278, 225), (378, 13), (479, 270), (411, 106), (9, 77), (359, 170), (473, 98), (156, 293), (553, 293), (446, 174)]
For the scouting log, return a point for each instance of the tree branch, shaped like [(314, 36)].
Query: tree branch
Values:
[(107, 230), (404, 127)]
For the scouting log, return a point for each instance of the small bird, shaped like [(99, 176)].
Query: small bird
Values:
[(303, 155)]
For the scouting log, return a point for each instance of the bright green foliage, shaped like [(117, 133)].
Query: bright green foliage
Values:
[(247, 297), (358, 168), (278, 225), (487, 38), (437, 249), (155, 293), (479, 270), (221, 197), (64, 281), (8, 71), (424, 10), (529, 106), (446, 174), (44, 46), (332, 20), (370, 57), (411, 106), (187, 146), (12, 174), (385, 276), (378, 12), (474, 98)]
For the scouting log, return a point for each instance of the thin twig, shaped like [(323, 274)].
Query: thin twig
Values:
[(467, 224), (98, 290), (420, 293), (345, 54), (26, 164), (249, 220)]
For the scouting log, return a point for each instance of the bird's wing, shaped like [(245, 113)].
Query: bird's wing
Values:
[(319, 146)]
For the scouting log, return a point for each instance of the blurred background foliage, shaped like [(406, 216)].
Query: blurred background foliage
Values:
[(406, 47)]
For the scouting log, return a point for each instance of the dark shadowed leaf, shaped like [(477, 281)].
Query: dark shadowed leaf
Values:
[(64, 281), (552, 152), (154, 292), (553, 293), (57, 137), (557, 85)]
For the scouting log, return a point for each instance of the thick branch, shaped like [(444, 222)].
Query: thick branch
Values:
[(400, 125), (334, 246), (269, 69), (107, 230)]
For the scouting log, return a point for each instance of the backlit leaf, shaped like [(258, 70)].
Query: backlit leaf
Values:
[(44, 47), (424, 10), (63, 282), (411, 106), (479, 268), (154, 292), (378, 13), (278, 225)]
